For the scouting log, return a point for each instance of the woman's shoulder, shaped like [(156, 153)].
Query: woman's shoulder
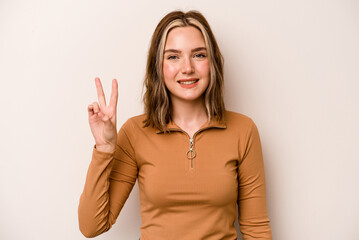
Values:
[(138, 118), (240, 124), (132, 127), (135, 121), (236, 118)]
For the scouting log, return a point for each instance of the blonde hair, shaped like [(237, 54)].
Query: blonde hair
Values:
[(156, 99)]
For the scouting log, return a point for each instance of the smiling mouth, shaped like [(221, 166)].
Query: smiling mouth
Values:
[(189, 82)]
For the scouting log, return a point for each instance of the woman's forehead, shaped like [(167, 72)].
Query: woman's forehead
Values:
[(186, 38)]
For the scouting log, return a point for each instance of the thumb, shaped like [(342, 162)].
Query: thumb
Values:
[(106, 118), (103, 117)]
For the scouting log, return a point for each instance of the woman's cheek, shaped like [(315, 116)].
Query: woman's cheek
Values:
[(168, 69), (204, 67)]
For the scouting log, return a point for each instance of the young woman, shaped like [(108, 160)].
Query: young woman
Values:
[(194, 160)]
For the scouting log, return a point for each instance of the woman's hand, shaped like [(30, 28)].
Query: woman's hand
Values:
[(102, 118)]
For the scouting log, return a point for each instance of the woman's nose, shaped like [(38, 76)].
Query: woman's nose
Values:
[(187, 66)]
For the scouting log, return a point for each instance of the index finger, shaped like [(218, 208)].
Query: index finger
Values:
[(114, 94), (100, 94)]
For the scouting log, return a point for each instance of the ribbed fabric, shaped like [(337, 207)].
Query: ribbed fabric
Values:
[(181, 198)]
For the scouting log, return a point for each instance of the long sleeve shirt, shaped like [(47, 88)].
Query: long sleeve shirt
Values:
[(189, 187)]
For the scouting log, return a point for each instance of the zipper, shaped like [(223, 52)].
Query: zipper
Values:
[(191, 154)]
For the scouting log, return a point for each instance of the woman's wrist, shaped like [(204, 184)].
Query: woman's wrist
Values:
[(105, 148)]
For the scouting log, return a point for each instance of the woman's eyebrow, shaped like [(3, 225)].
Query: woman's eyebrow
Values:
[(178, 51)]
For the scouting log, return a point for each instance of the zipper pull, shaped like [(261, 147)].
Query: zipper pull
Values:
[(191, 153)]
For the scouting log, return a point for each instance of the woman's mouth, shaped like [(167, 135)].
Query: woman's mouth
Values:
[(188, 83)]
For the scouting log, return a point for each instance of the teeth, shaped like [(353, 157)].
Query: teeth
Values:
[(188, 82)]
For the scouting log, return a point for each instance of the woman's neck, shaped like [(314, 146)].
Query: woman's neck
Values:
[(189, 115)]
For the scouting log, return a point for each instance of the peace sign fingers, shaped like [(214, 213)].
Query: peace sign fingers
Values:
[(102, 118)]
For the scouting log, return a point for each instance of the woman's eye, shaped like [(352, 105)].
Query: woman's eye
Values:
[(171, 57), (200, 55)]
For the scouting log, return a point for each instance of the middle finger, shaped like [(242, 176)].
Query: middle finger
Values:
[(100, 94)]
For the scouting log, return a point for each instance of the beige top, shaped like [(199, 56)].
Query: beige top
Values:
[(189, 188)]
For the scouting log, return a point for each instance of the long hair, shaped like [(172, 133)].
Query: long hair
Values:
[(157, 102)]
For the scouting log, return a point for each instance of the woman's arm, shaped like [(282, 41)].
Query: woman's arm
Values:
[(112, 171), (252, 211), (110, 179)]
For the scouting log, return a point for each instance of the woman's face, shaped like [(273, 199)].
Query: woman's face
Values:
[(185, 64)]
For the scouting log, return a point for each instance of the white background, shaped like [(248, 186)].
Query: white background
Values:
[(292, 66)]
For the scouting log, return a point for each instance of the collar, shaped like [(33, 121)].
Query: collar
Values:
[(172, 127)]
